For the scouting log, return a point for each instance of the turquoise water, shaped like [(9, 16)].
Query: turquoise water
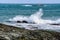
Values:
[(43, 15), (50, 11)]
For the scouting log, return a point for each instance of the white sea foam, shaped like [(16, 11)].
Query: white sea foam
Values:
[(19, 18), (27, 5), (37, 18)]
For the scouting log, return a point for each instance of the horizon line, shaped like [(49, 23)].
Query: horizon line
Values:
[(29, 3)]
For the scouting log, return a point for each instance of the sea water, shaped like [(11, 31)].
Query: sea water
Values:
[(41, 14)]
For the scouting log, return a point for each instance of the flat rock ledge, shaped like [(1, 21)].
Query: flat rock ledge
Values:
[(13, 33)]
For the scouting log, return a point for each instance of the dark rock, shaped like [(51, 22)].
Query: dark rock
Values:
[(18, 21), (23, 34), (24, 21), (2, 38), (54, 24)]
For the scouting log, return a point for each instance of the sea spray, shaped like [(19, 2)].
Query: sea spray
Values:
[(46, 11), (19, 18), (36, 18)]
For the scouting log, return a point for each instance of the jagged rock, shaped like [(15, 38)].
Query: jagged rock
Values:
[(23, 34), (4, 37), (9, 35)]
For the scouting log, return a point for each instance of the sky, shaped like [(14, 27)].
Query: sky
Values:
[(31, 1)]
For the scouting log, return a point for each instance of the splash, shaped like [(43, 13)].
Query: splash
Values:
[(36, 18), (18, 18)]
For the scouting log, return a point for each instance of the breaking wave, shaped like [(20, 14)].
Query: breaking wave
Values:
[(36, 17)]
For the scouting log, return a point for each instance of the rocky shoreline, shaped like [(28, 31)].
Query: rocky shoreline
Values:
[(13, 33)]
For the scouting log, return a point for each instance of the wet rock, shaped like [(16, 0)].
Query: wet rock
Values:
[(9, 35), (23, 34), (54, 24), (24, 21), (19, 22)]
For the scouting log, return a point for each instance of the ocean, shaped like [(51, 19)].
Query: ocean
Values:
[(51, 11), (41, 14)]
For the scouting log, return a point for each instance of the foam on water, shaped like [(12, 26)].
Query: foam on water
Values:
[(33, 18), (27, 5), (37, 18)]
